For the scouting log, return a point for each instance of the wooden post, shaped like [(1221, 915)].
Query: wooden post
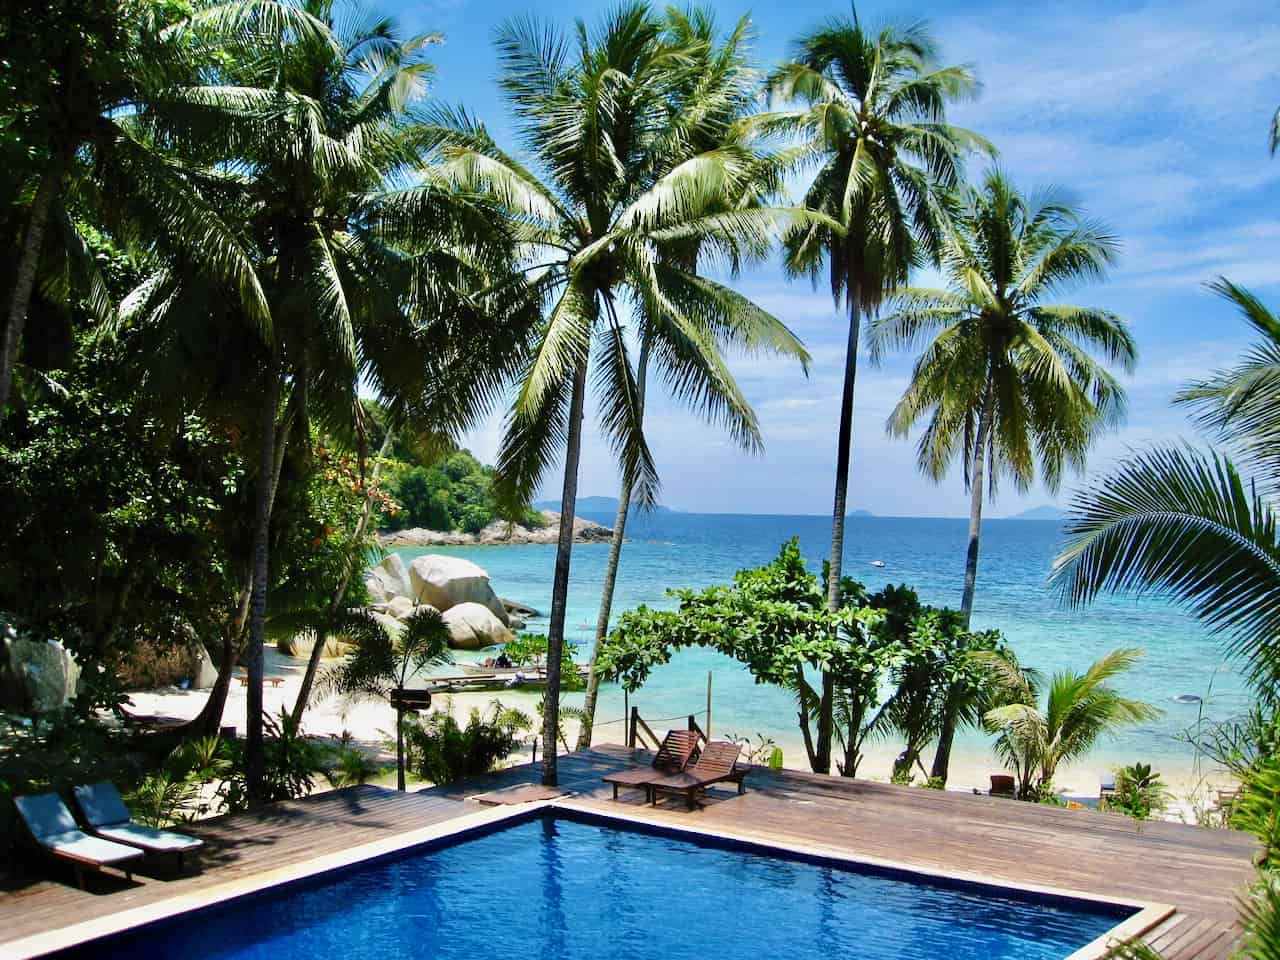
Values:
[(626, 712), (632, 724), (708, 705)]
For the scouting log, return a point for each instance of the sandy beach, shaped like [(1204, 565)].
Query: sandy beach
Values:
[(373, 722)]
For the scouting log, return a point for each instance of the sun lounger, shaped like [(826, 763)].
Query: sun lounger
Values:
[(109, 818), (677, 749), (53, 828), (715, 765)]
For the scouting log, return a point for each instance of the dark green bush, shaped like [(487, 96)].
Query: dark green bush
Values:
[(442, 751)]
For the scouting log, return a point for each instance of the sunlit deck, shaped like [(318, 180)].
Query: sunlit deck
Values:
[(1199, 872)]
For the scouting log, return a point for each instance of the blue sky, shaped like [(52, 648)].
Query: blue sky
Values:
[(1153, 117)]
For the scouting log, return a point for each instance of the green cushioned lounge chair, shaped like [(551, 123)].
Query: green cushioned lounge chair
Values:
[(53, 828), (110, 819)]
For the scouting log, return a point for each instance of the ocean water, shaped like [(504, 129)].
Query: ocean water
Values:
[(674, 550), (560, 889)]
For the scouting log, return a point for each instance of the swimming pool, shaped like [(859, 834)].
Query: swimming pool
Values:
[(564, 885)]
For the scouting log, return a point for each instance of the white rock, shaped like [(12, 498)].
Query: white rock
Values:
[(400, 607), (377, 589), (46, 672), (473, 626), (389, 623), (444, 582), (205, 674), (388, 579)]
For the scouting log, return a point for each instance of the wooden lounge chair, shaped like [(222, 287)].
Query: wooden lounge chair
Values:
[(109, 818), (677, 749), (1003, 785), (52, 827), (715, 765)]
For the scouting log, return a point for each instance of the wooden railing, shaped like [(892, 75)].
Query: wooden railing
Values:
[(641, 735)]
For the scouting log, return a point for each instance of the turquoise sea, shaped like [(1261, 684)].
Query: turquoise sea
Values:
[(671, 550)]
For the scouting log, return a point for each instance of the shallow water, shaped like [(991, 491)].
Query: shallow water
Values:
[(564, 890), (672, 550)]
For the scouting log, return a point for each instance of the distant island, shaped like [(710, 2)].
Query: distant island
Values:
[(1045, 512), (595, 505)]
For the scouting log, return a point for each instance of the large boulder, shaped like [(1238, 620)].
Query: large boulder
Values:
[(400, 607), (445, 582), (203, 674), (389, 623), (44, 673), (473, 626), (388, 579)]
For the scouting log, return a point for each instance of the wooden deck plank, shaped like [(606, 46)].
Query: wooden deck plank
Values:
[(1198, 871)]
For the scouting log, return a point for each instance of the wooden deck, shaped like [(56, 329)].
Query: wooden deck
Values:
[(1198, 871)]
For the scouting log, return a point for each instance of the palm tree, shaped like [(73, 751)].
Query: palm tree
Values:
[(382, 663), (1006, 382), (874, 119), (704, 112), (1192, 523), (617, 192), (373, 268), (1079, 708), (85, 78)]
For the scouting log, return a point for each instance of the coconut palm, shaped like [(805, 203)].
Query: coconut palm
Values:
[(81, 79), (1079, 709), (712, 96), (615, 192), (369, 263), (1007, 382), (873, 118), (384, 661), (1192, 523)]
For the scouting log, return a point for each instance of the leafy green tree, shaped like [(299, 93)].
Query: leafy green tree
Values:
[(382, 664), (1193, 524), (1006, 381), (1079, 709), (615, 189), (873, 117)]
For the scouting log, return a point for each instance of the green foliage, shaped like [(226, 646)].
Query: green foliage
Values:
[(760, 750), (1257, 809), (442, 751), (530, 649), (291, 763), (454, 494), (774, 619), (350, 766), (1139, 792)]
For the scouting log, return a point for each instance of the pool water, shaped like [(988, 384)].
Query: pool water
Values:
[(564, 888)]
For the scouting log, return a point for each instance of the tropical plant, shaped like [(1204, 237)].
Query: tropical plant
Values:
[(530, 649), (1139, 792), (443, 752), (383, 663), (1191, 524), (1007, 382), (873, 117), (706, 107), (616, 190), (1079, 708)]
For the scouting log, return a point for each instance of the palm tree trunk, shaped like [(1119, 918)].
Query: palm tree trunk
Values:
[(947, 734), (822, 759), (560, 583), (400, 750), (313, 661), (611, 571), (25, 279), (254, 747)]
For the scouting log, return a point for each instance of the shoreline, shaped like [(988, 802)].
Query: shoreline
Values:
[(373, 721), (500, 533)]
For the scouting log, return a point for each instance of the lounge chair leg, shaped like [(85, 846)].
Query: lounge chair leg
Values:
[(615, 791), (179, 860)]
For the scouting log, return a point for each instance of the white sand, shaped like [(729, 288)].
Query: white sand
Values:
[(375, 721)]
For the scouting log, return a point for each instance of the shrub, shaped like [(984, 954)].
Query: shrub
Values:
[(1139, 792), (442, 751)]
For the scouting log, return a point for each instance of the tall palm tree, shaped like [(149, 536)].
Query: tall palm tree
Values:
[(615, 193), (373, 268), (873, 118), (83, 75), (1006, 382), (1079, 709), (384, 662), (713, 95), (1200, 526)]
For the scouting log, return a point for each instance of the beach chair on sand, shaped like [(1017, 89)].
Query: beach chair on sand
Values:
[(54, 830), (715, 765), (109, 818), (678, 748)]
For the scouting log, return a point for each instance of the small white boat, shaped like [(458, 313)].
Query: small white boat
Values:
[(877, 563)]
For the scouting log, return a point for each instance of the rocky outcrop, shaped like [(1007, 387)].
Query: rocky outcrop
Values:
[(388, 579), (473, 626), (445, 582), (499, 533), (43, 675)]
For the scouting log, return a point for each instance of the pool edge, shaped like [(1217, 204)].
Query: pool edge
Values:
[(1149, 914)]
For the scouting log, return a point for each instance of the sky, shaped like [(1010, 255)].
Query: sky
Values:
[(1152, 117)]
